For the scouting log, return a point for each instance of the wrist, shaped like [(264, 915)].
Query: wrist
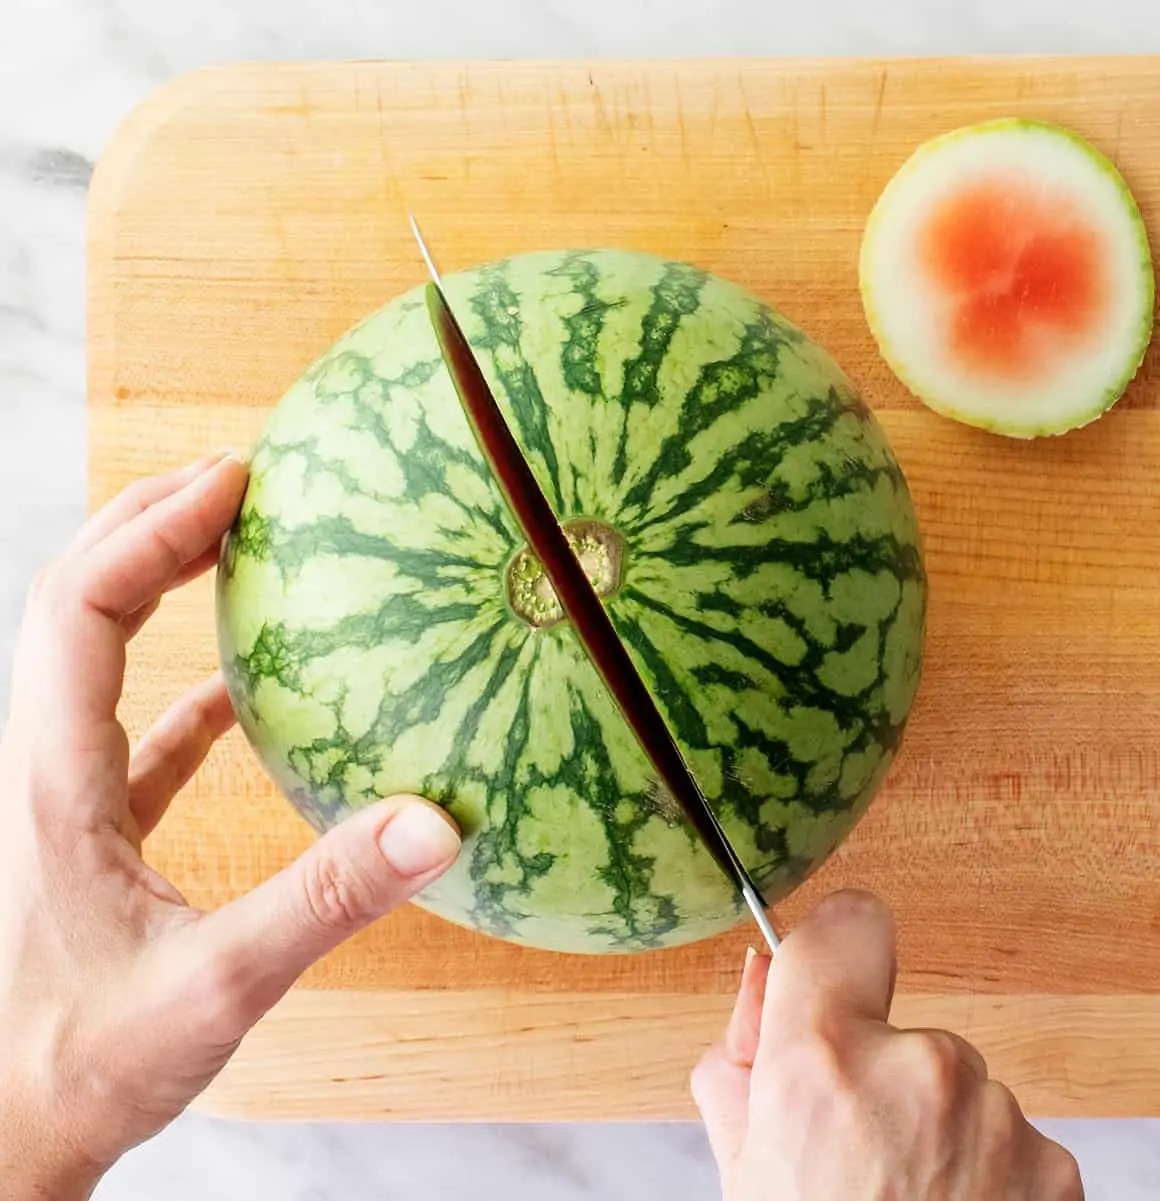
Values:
[(46, 1181), (37, 1162)]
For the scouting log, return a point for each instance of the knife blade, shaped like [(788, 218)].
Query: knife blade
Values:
[(576, 595)]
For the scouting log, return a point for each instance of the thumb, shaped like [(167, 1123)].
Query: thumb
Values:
[(838, 964), (357, 872), (721, 1080)]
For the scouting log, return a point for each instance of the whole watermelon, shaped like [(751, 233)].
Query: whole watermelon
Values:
[(383, 627)]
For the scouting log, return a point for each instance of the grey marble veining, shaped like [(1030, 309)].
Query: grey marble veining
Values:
[(206, 1158), (69, 71), (202, 1157)]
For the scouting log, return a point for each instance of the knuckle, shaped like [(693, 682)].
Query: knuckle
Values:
[(336, 894), (1062, 1175), (58, 596), (828, 1042), (1007, 1111), (138, 496), (936, 1067), (164, 546), (45, 590), (1001, 1123), (815, 1066)]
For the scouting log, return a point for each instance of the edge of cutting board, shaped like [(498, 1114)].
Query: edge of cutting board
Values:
[(412, 1056), (151, 112)]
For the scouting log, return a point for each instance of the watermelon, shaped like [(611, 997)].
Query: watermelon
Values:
[(383, 626), (1006, 275)]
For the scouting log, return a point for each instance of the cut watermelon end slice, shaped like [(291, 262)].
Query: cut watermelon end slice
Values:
[(1007, 278)]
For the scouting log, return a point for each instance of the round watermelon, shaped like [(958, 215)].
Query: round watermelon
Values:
[(383, 626), (1007, 277)]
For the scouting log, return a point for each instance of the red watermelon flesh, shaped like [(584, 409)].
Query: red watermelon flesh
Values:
[(1021, 271)]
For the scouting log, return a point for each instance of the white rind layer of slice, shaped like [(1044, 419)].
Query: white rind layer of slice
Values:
[(908, 311)]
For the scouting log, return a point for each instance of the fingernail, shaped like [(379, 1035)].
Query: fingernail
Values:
[(235, 456), (418, 840), (211, 462)]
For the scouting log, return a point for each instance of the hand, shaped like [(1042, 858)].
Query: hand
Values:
[(118, 1002), (811, 1096)]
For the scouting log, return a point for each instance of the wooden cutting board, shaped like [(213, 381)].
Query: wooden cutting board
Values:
[(244, 218)]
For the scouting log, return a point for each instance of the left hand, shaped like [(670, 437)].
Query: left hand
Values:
[(118, 1002)]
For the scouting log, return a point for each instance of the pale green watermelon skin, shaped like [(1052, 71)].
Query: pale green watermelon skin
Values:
[(772, 594)]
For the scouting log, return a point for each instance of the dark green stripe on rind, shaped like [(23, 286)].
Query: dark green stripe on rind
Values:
[(676, 295), (721, 387), (498, 310), (578, 355)]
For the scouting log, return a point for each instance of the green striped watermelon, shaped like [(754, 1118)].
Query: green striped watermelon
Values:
[(384, 628)]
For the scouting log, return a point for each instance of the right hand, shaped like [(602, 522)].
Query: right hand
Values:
[(812, 1096)]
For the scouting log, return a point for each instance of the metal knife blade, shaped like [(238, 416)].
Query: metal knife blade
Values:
[(576, 595)]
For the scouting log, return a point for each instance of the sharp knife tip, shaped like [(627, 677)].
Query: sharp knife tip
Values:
[(424, 249)]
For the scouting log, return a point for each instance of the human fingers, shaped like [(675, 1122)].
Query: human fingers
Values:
[(1056, 1173), (838, 963), (73, 651), (172, 750), (135, 622), (1044, 1170), (948, 1045), (139, 560), (258, 945), (720, 1081), (130, 502)]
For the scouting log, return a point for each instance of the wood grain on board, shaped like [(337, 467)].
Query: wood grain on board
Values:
[(244, 218)]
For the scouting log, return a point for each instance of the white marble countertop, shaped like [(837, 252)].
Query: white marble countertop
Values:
[(69, 71)]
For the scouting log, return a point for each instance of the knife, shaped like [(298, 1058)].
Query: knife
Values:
[(576, 595)]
